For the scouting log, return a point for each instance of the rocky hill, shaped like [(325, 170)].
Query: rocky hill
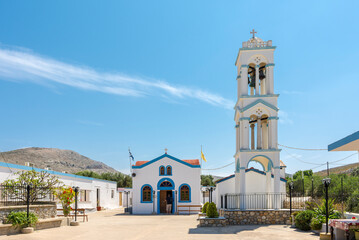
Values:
[(56, 159), (346, 169)]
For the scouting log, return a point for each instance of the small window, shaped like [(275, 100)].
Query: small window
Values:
[(112, 193), (162, 170), (184, 191), (146, 194), (169, 170)]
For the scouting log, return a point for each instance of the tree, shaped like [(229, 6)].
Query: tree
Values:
[(355, 172), (122, 180), (42, 185), (207, 180)]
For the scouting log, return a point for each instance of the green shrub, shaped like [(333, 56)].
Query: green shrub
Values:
[(303, 219), (212, 211), (19, 219), (353, 202), (205, 206), (316, 224)]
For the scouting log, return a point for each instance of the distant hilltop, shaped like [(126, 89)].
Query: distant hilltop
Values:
[(346, 169), (54, 159)]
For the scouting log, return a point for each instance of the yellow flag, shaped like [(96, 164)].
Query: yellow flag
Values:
[(202, 156)]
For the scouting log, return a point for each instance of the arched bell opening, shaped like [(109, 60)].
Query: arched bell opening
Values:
[(262, 78), (259, 131), (251, 77), (264, 162)]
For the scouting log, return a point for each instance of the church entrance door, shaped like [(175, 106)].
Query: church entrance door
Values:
[(163, 197)]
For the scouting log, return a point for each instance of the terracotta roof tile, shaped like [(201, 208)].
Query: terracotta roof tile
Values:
[(139, 163)]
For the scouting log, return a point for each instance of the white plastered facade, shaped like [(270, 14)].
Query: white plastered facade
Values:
[(148, 174)]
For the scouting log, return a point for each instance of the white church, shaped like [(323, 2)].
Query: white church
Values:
[(163, 181), (256, 120)]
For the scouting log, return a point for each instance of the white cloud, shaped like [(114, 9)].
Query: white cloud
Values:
[(284, 117), (22, 65), (90, 123)]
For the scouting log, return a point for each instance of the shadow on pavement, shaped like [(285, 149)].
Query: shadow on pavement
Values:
[(232, 229)]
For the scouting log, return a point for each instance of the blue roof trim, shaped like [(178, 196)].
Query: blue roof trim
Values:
[(226, 178), (255, 96), (21, 167), (258, 102), (168, 156), (344, 141)]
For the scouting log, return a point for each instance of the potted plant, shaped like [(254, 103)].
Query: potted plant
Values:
[(66, 196), (20, 220), (204, 208), (212, 211)]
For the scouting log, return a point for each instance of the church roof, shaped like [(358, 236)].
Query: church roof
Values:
[(282, 164), (248, 170), (190, 162)]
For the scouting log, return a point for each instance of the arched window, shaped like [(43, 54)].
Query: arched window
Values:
[(185, 193), (146, 194), (166, 184), (162, 170), (169, 170)]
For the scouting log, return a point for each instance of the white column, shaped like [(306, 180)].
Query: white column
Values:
[(257, 80), (274, 132), (252, 137), (271, 80), (245, 134), (242, 188), (263, 87), (269, 130), (267, 79), (237, 137), (265, 134), (244, 81), (277, 202), (268, 181), (259, 133)]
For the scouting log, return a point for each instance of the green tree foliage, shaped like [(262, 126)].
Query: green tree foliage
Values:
[(344, 188), (207, 180), (355, 172), (212, 211), (122, 180), (42, 185), (205, 206), (303, 219)]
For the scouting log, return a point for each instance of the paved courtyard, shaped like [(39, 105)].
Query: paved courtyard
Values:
[(109, 225)]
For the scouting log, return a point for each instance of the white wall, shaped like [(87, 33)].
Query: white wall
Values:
[(149, 174), (107, 199)]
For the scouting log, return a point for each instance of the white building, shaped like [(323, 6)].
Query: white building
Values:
[(94, 193), (153, 181), (256, 117)]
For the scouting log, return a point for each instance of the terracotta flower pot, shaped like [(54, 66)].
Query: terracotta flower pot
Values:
[(356, 235), (27, 230)]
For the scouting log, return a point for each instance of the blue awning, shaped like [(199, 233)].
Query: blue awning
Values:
[(349, 143)]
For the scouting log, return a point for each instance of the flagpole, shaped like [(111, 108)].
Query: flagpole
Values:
[(201, 157), (129, 158)]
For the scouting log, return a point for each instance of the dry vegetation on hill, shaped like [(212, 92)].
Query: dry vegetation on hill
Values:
[(57, 159)]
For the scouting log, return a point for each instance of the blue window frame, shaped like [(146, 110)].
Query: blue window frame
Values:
[(184, 193), (162, 171), (146, 194), (169, 170)]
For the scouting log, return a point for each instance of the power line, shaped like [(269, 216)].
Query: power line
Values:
[(302, 160), (220, 167), (304, 149)]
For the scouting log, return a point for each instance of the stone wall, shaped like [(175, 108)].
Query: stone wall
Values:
[(212, 222), (255, 217), (41, 211)]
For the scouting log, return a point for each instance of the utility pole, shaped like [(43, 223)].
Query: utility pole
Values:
[(328, 169)]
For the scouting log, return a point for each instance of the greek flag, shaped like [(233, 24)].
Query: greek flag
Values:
[(131, 156)]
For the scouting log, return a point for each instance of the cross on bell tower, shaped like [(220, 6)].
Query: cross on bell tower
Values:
[(253, 32)]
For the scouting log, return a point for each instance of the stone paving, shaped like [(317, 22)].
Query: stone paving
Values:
[(111, 224)]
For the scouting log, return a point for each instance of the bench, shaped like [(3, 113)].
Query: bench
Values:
[(189, 210), (81, 212)]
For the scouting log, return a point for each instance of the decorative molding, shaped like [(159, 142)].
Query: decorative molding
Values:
[(168, 156), (260, 150), (258, 102), (273, 118), (244, 66), (257, 96), (244, 118), (270, 65)]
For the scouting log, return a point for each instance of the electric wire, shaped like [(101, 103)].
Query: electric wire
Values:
[(304, 149), (219, 167)]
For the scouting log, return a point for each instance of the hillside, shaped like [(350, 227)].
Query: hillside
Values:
[(57, 159), (347, 169)]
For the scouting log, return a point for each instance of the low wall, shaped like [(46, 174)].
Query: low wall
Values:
[(212, 222), (255, 217), (41, 211)]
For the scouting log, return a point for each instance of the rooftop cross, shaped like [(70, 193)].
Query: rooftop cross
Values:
[(166, 150), (253, 32)]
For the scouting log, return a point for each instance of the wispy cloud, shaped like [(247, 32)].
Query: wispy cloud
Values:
[(284, 117), (90, 123), (24, 65), (291, 92)]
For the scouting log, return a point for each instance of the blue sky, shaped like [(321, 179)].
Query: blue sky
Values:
[(99, 77)]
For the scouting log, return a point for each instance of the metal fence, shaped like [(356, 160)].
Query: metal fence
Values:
[(11, 195), (258, 201)]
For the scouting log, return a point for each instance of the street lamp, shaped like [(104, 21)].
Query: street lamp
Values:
[(326, 182), (76, 189)]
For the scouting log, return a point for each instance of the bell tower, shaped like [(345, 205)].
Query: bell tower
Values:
[(256, 114)]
